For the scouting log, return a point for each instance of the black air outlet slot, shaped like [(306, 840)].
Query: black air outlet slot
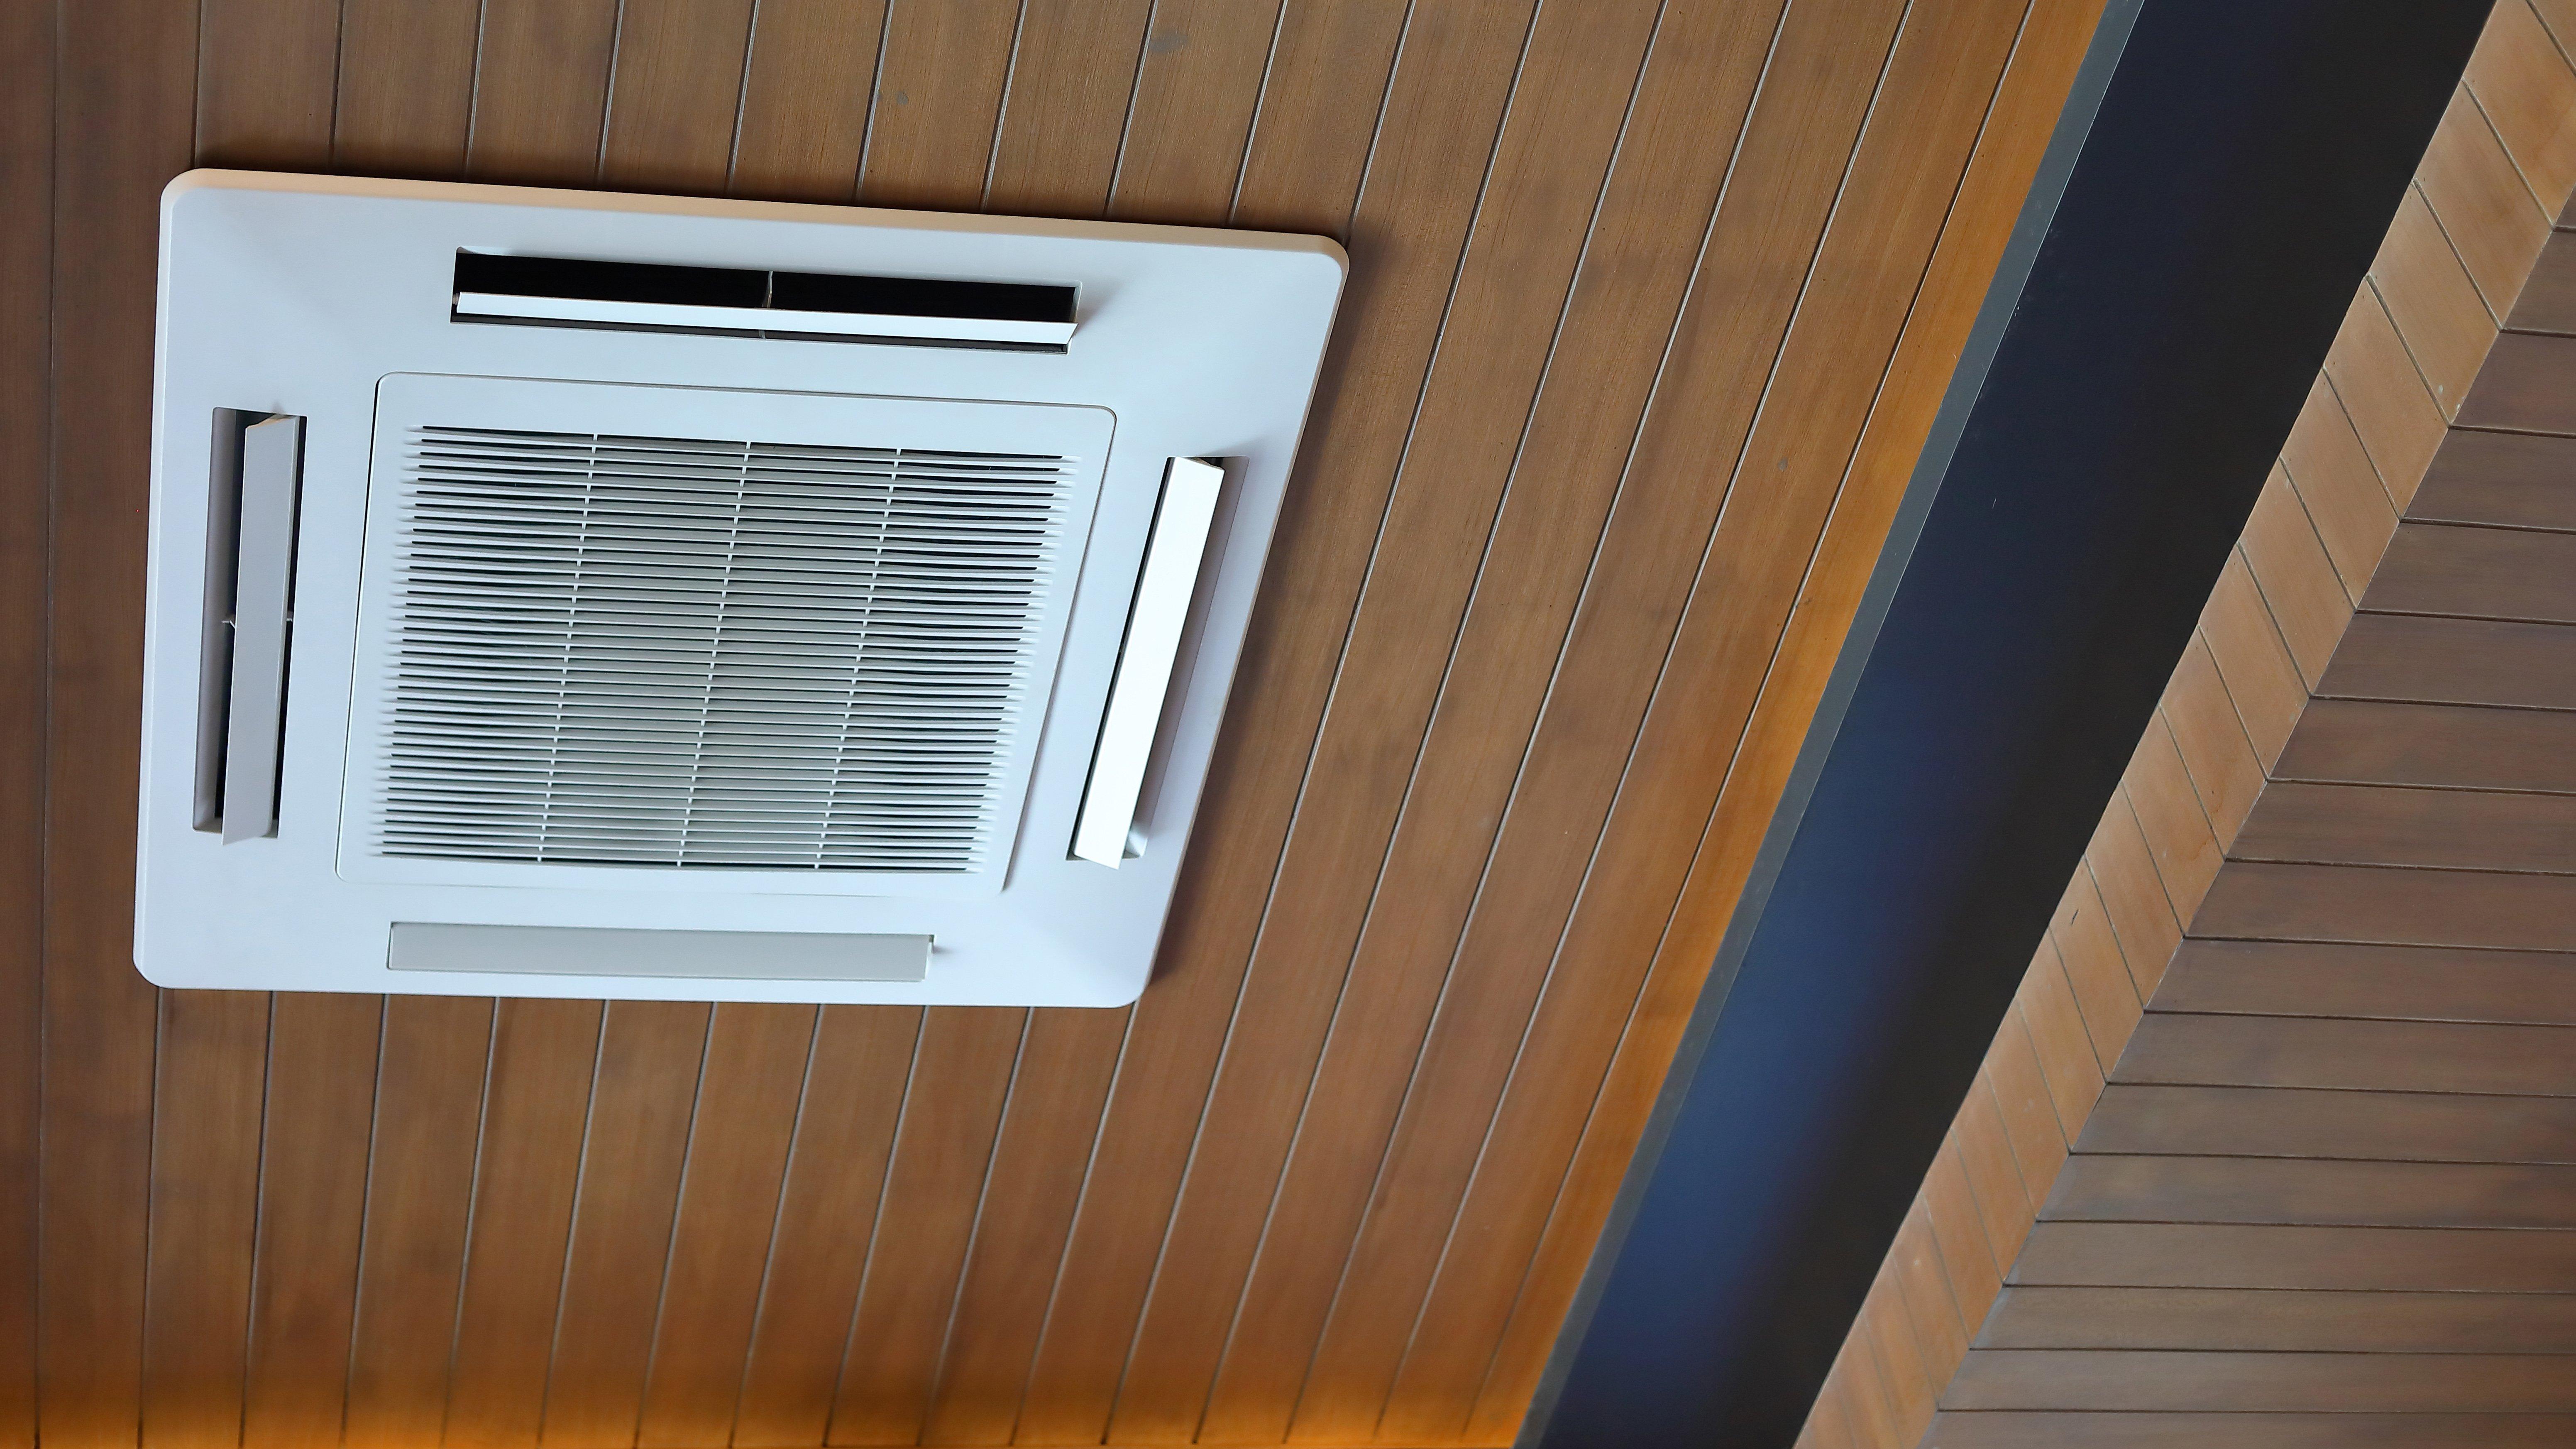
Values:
[(749, 302)]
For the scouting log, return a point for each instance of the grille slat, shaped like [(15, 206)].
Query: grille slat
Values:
[(679, 652)]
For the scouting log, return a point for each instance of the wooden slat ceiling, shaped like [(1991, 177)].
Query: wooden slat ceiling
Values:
[(1650, 308), (2278, 1145)]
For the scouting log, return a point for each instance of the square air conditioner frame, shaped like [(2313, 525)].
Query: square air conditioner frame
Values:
[(314, 329)]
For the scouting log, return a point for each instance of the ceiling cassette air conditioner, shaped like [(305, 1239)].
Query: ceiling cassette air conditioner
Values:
[(567, 594)]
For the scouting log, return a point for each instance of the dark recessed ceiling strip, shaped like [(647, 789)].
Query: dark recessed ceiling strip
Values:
[(748, 302)]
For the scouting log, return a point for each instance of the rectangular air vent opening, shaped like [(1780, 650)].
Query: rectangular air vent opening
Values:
[(702, 653), (749, 302)]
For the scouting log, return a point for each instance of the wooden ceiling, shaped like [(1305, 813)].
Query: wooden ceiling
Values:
[(2276, 1145), (1651, 305)]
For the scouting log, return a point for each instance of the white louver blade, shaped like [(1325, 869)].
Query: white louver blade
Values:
[(632, 651)]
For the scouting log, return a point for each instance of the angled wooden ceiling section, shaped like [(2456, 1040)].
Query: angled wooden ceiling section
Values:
[(2275, 1145), (1651, 304)]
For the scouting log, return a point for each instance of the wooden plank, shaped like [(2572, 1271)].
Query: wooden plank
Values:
[(2384, 397), (125, 99), (2391, 907), (2260, 1321), (1976, 1270), (2494, 573), (320, 1122), (1405, 241), (2263, 1382), (2450, 746), (2170, 822), (420, 1188), (27, 140), (2211, 738), (1328, 67), (2126, 872), (2217, 1255), (1940, 78), (266, 70), (2104, 989), (854, 1092), (2343, 492), (2391, 1056), (2296, 576), (541, 90), (676, 100), (2548, 299), (1071, 79), (2456, 661), (804, 107), (534, 1107), (2489, 215), (210, 1069), (406, 87), (2030, 1117), (2066, 1053), (2522, 80), (2261, 678), (2525, 385), (2278, 978), (651, 1057), (1039, 1164), (2437, 309), (2367, 1126), (1197, 85), (940, 74), (1873, 1419), (1985, 1151), (1931, 1309), (2306, 1192), (1902, 1378), (2171, 1430), (2386, 825), (934, 1188), (1554, 149), (2515, 480), (737, 1161)]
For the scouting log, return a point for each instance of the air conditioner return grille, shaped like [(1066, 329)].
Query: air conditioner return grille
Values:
[(686, 653)]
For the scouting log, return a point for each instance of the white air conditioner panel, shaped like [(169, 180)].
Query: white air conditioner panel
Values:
[(804, 639)]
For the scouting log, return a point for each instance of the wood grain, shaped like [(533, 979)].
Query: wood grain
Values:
[(651, 1057), (2225, 774), (2447, 746), (2524, 386), (2360, 1125), (2393, 907), (405, 94), (2188, 1430), (2496, 573), (205, 1201), (741, 1126), (676, 101), (2437, 308), (541, 90), (2456, 661), (938, 95), (2261, 677), (1072, 79), (2409, 1056), (2283, 978), (535, 1104), (26, 415), (2255, 1321), (2491, 218), (2513, 480), (2226, 1255), (2384, 825), (2343, 492), (2521, 79), (2296, 576), (807, 87), (420, 1189), (322, 1069), (2384, 396), (2098, 1188), (2262, 1382), (266, 71), (2548, 299), (124, 115)]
